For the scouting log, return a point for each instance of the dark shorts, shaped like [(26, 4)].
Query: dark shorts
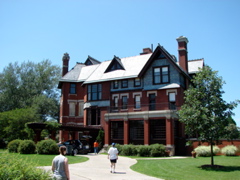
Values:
[(113, 160)]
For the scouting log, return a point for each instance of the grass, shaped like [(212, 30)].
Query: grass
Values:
[(190, 168), (43, 160)]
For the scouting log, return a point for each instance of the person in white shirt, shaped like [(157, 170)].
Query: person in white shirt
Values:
[(113, 156)]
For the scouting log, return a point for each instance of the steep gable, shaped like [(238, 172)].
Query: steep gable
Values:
[(91, 61), (115, 64)]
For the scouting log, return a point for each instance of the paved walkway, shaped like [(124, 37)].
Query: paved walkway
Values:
[(98, 168)]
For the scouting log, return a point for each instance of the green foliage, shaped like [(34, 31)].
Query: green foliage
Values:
[(205, 151), (157, 150), (144, 151), (13, 167), (129, 150), (100, 137), (48, 146), (27, 147), (204, 112), (229, 150), (232, 132), (13, 145), (12, 123), (31, 85)]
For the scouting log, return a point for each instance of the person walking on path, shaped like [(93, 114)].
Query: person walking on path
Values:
[(60, 165), (95, 145), (113, 156)]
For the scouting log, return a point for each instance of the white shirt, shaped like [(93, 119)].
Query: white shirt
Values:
[(113, 153)]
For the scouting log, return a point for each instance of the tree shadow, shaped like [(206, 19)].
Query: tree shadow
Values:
[(208, 167)]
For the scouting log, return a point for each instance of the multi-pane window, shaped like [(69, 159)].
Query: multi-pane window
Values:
[(80, 112), (72, 89), (124, 83), (137, 82), (94, 92), (172, 100), (158, 129), (161, 75), (136, 130), (115, 84), (137, 103), (115, 102), (124, 102), (117, 130), (152, 101), (72, 109)]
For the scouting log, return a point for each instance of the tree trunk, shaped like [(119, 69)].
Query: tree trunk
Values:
[(212, 161)]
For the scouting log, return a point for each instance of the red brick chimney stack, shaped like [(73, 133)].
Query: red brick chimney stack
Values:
[(65, 60), (182, 52), (146, 51)]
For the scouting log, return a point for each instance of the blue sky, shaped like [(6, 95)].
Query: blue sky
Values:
[(46, 29)]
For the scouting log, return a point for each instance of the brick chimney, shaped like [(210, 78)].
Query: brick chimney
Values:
[(65, 60), (146, 51), (182, 52)]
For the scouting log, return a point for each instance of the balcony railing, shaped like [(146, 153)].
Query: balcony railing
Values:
[(143, 107)]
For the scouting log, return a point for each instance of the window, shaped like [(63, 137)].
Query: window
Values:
[(161, 75), (137, 82), (117, 130), (124, 83), (137, 104), (172, 100), (152, 101), (124, 102), (136, 130), (72, 88), (115, 84), (72, 109), (94, 92), (158, 129), (80, 109), (93, 116), (115, 102)]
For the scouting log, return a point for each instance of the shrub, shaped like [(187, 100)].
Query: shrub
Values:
[(157, 150), (143, 151), (16, 168), (229, 150), (205, 151), (27, 147), (119, 147), (48, 146), (129, 150), (13, 145)]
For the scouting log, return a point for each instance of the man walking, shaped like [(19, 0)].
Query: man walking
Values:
[(113, 156)]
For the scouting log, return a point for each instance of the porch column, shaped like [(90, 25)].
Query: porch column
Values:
[(146, 131), (126, 131), (107, 133), (170, 135), (37, 136)]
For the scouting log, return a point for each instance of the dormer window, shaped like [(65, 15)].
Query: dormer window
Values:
[(115, 64), (161, 75), (137, 82)]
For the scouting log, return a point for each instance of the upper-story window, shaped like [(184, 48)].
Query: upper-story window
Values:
[(115, 84), (124, 83), (124, 102), (94, 92), (137, 102), (152, 101), (72, 106), (161, 75), (137, 82), (172, 100), (72, 89)]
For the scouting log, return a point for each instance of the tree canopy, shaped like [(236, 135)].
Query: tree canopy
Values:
[(31, 85), (204, 112)]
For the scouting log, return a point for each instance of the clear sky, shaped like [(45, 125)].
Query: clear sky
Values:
[(46, 29)]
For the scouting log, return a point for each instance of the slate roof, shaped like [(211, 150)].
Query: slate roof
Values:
[(133, 66)]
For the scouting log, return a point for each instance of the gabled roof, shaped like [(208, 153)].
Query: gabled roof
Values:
[(91, 61), (116, 64)]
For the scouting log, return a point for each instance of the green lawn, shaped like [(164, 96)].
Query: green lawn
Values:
[(190, 168), (43, 160)]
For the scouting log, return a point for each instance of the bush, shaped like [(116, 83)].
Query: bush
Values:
[(48, 146), (129, 150), (229, 150), (157, 150), (144, 151), (16, 168), (13, 145), (205, 151), (27, 147)]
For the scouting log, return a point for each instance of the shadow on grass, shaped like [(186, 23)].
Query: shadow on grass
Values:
[(219, 168)]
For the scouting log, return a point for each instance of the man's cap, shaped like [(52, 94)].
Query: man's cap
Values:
[(113, 144)]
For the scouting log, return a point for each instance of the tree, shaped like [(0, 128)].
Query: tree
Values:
[(204, 112), (31, 85)]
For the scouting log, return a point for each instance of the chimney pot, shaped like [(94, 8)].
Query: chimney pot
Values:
[(65, 60), (182, 52), (146, 51)]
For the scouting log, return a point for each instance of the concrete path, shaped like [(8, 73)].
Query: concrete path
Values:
[(98, 168)]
